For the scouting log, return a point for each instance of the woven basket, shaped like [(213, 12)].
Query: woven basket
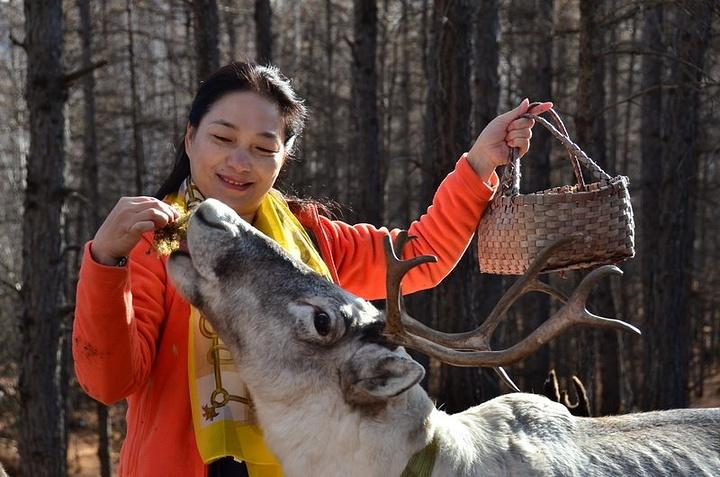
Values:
[(516, 227)]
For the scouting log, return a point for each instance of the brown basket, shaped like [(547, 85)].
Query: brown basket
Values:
[(516, 227)]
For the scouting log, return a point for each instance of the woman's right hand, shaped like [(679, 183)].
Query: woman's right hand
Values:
[(125, 224)]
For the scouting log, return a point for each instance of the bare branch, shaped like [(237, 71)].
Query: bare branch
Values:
[(640, 93), (70, 78)]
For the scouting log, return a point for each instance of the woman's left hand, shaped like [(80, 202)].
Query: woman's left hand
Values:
[(492, 147)]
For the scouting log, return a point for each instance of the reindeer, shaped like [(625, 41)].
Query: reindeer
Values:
[(336, 394)]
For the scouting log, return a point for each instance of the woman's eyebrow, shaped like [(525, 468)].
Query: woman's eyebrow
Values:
[(270, 135), (222, 122)]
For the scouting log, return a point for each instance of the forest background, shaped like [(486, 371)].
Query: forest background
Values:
[(93, 101)]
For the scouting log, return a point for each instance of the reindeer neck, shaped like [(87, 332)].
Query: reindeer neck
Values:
[(322, 435)]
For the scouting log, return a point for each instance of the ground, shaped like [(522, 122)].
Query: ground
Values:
[(82, 455)]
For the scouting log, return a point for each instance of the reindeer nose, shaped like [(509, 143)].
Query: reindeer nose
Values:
[(213, 213), (206, 216)]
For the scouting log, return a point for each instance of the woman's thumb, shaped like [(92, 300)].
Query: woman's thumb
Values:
[(517, 112)]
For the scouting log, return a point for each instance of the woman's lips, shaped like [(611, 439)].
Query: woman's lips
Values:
[(234, 183)]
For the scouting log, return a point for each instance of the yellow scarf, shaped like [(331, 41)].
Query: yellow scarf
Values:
[(223, 415)]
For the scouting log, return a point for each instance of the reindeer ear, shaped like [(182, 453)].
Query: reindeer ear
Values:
[(376, 374)]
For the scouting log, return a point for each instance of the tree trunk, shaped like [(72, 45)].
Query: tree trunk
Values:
[(404, 136), (170, 32), (449, 99), (486, 86), (609, 361), (590, 135), (612, 96), (42, 443), (330, 131), (192, 74), (677, 205), (652, 172), (366, 121), (229, 17), (486, 56), (263, 31), (91, 192), (297, 35), (456, 301), (590, 119), (535, 83), (630, 303), (430, 46), (387, 76), (90, 186), (138, 149), (206, 25)]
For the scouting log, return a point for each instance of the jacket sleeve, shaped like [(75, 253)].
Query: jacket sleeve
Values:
[(445, 231), (119, 313)]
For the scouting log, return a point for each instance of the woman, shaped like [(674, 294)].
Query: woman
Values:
[(134, 337)]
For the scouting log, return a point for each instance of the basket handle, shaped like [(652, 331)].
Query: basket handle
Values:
[(510, 184)]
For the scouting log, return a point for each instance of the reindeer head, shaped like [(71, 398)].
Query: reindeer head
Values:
[(289, 329)]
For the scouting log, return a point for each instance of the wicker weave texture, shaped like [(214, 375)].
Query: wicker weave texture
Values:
[(515, 229)]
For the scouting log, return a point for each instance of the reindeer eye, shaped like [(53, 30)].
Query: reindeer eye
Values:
[(322, 323)]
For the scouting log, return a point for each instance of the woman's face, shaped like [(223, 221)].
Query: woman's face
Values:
[(237, 151)]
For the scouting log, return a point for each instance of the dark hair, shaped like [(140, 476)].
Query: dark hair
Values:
[(238, 76)]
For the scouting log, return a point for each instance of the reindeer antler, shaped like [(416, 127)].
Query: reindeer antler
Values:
[(472, 348)]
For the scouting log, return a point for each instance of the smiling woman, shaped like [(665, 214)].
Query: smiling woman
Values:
[(136, 338)]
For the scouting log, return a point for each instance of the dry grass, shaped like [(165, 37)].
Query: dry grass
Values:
[(169, 238)]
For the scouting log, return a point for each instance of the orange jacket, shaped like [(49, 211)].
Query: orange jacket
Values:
[(130, 332)]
